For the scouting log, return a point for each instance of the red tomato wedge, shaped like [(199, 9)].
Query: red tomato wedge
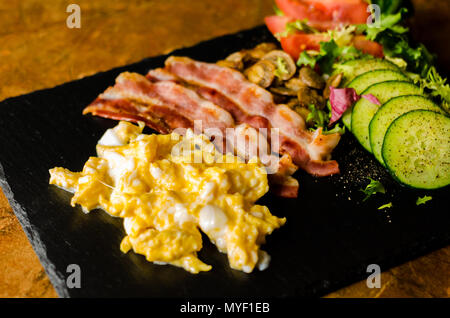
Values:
[(302, 10), (277, 24), (296, 43), (326, 14), (369, 47)]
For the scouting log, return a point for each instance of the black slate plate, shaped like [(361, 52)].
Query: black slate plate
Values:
[(329, 240)]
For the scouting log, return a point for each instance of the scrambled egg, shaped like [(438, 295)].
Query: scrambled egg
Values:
[(167, 188)]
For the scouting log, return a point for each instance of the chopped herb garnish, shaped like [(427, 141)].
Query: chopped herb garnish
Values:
[(281, 67), (373, 187), (318, 117), (423, 200), (298, 25), (385, 206)]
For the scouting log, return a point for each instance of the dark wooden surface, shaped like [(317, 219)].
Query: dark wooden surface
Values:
[(37, 51)]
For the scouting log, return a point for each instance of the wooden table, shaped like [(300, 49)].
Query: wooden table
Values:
[(37, 51)]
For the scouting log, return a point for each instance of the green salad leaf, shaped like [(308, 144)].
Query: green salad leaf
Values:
[(392, 35), (330, 52), (307, 59), (385, 206), (337, 129), (436, 85), (389, 22), (318, 117), (373, 187), (423, 200), (392, 6), (298, 25)]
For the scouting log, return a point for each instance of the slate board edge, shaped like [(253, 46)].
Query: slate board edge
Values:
[(56, 278)]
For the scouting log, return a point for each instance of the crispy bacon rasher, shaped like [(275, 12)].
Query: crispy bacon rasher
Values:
[(247, 101), (165, 105)]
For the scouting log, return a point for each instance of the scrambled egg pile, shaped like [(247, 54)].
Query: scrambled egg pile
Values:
[(167, 188)]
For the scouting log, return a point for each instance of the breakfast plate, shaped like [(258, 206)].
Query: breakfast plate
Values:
[(330, 238)]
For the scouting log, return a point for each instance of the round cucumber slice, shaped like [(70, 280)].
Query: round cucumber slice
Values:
[(416, 149), (363, 81), (364, 110), (390, 111), (353, 68)]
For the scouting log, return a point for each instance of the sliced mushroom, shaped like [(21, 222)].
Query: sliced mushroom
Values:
[(285, 66), (308, 96), (294, 84), (333, 81), (237, 59), (261, 73), (283, 91), (260, 50), (311, 78)]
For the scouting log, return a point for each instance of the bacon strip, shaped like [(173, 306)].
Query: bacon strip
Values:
[(158, 118), (239, 115), (166, 103), (310, 150), (160, 74), (180, 99), (165, 106)]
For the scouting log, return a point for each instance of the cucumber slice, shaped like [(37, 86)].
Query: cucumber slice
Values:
[(347, 118), (363, 110), (416, 149), (363, 81), (353, 68), (390, 111)]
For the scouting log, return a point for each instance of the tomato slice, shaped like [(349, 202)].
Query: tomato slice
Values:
[(346, 11), (277, 24), (296, 43), (369, 47), (326, 14), (302, 10)]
